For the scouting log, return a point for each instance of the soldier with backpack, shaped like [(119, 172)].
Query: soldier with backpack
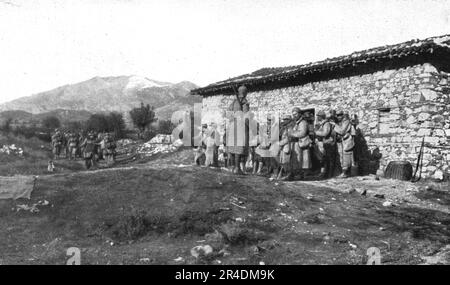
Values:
[(346, 132), (72, 144), (109, 150), (324, 144), (57, 143), (238, 150), (89, 148)]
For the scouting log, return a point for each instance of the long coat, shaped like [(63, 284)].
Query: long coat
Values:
[(300, 157), (343, 129), (285, 147), (235, 106)]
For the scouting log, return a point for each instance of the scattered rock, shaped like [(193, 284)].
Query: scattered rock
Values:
[(362, 192), (438, 175), (33, 208), (224, 252), (11, 149), (159, 144), (350, 190), (179, 259), (380, 196), (387, 204), (201, 250)]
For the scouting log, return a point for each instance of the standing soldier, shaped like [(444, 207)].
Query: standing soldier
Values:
[(80, 139), (73, 143), (324, 143), (285, 149), (89, 145), (239, 152), (109, 152), (66, 137), (333, 155), (345, 141), (100, 146), (225, 148), (56, 143), (300, 143)]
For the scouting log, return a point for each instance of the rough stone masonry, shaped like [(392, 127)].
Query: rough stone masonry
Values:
[(397, 106)]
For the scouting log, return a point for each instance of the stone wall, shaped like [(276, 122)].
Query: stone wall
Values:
[(396, 109)]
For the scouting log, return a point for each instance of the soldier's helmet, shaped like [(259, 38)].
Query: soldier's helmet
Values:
[(286, 118), (242, 89), (296, 110)]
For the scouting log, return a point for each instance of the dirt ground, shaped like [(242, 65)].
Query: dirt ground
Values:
[(155, 211)]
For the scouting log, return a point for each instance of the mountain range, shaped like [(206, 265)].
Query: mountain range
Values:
[(103, 94)]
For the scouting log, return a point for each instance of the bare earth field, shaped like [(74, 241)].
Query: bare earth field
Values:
[(155, 211)]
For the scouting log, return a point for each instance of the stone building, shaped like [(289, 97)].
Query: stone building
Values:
[(400, 93)]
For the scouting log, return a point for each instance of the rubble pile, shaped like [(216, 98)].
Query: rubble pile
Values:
[(126, 146), (11, 149), (159, 144)]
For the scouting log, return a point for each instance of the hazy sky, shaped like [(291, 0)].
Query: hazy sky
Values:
[(45, 44)]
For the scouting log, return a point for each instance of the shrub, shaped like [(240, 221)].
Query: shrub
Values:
[(143, 116), (51, 122)]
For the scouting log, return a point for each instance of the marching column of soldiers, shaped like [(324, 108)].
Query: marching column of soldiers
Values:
[(91, 148), (328, 145)]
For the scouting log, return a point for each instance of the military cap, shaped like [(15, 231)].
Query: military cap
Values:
[(286, 118), (242, 89), (296, 109)]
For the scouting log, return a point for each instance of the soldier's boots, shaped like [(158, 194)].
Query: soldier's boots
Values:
[(255, 167), (260, 168), (243, 168), (344, 174), (237, 165), (323, 174), (287, 177)]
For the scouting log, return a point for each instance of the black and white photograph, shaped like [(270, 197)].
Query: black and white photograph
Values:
[(217, 133)]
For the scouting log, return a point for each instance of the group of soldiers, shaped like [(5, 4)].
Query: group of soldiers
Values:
[(327, 145), (91, 147)]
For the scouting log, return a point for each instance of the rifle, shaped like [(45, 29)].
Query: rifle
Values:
[(419, 162), (237, 95)]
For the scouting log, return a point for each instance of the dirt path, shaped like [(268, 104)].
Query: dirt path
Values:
[(155, 212)]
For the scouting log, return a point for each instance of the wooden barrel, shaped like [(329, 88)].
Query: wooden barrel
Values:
[(401, 170)]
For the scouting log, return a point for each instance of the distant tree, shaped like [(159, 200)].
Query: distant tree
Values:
[(51, 122), (165, 127), (74, 125), (116, 124), (143, 116), (97, 122), (6, 127)]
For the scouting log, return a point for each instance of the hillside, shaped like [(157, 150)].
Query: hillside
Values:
[(22, 117), (106, 94)]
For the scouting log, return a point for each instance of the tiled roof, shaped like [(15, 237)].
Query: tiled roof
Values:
[(267, 75)]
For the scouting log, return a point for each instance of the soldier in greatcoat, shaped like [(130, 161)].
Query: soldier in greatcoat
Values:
[(324, 143), (345, 132), (285, 171), (300, 144), (239, 151)]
